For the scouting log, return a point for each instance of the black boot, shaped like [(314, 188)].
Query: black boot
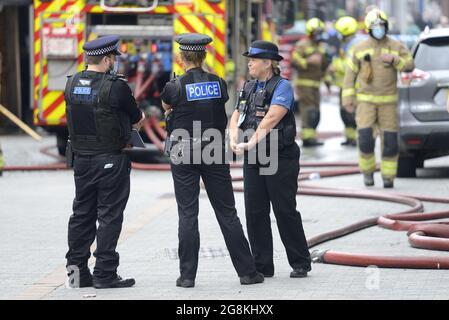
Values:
[(185, 283), (118, 282), (247, 280), (84, 282), (298, 273)]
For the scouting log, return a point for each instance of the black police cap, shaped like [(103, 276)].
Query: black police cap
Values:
[(263, 50), (193, 41), (102, 46)]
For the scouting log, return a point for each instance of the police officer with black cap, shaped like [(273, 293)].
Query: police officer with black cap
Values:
[(101, 112), (198, 98), (266, 104)]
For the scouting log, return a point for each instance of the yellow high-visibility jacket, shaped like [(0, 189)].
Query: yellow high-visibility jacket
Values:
[(367, 78), (336, 71), (309, 75)]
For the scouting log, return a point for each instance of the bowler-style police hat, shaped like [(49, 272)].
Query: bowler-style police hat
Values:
[(263, 50), (102, 46), (193, 41)]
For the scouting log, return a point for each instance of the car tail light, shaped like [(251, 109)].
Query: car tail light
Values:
[(414, 142), (415, 76)]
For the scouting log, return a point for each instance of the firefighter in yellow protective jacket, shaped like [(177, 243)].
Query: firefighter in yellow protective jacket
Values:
[(309, 59), (347, 27), (373, 66)]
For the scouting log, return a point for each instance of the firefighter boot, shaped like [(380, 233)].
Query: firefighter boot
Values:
[(349, 142), (311, 143), (368, 179), (388, 183)]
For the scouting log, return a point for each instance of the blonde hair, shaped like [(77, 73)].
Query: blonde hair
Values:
[(275, 67)]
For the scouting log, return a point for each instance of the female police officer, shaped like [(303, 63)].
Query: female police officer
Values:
[(266, 103), (198, 99)]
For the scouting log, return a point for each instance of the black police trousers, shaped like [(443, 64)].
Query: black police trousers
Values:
[(218, 184), (102, 189), (279, 190)]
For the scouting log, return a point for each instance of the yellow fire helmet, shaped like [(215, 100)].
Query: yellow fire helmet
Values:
[(314, 24), (374, 18), (347, 26)]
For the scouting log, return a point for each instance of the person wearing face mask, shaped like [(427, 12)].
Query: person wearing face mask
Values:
[(309, 60), (101, 112), (371, 83)]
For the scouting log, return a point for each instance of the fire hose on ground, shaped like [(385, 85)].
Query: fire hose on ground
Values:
[(421, 232)]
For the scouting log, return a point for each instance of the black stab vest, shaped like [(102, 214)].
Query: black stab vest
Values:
[(197, 100), (256, 103), (94, 127)]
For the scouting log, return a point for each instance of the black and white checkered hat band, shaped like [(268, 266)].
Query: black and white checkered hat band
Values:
[(193, 47), (101, 51)]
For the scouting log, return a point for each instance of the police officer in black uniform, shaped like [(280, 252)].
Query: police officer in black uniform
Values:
[(101, 111), (198, 97), (266, 104)]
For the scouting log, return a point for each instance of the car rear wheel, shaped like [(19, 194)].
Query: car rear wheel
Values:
[(407, 166)]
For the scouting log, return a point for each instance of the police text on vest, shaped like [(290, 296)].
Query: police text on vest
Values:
[(203, 91)]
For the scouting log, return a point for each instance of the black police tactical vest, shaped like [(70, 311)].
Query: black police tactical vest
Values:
[(210, 111), (256, 104), (94, 128)]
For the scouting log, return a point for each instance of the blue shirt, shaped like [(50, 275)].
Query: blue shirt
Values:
[(282, 95)]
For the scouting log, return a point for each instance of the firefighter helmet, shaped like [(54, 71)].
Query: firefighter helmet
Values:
[(313, 25), (375, 17), (346, 26)]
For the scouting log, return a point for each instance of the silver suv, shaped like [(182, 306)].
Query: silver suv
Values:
[(423, 95)]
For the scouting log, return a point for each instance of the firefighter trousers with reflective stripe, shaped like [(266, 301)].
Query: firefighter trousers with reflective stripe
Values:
[(348, 120), (374, 120), (309, 108), (102, 187)]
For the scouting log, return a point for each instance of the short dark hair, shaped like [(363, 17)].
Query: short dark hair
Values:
[(195, 57), (95, 59)]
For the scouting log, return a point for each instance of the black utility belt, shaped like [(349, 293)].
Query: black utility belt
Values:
[(98, 155), (193, 140), (192, 143)]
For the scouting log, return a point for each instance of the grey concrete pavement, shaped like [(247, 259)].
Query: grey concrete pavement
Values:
[(35, 207)]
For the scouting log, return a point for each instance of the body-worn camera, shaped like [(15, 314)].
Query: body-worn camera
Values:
[(259, 103)]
